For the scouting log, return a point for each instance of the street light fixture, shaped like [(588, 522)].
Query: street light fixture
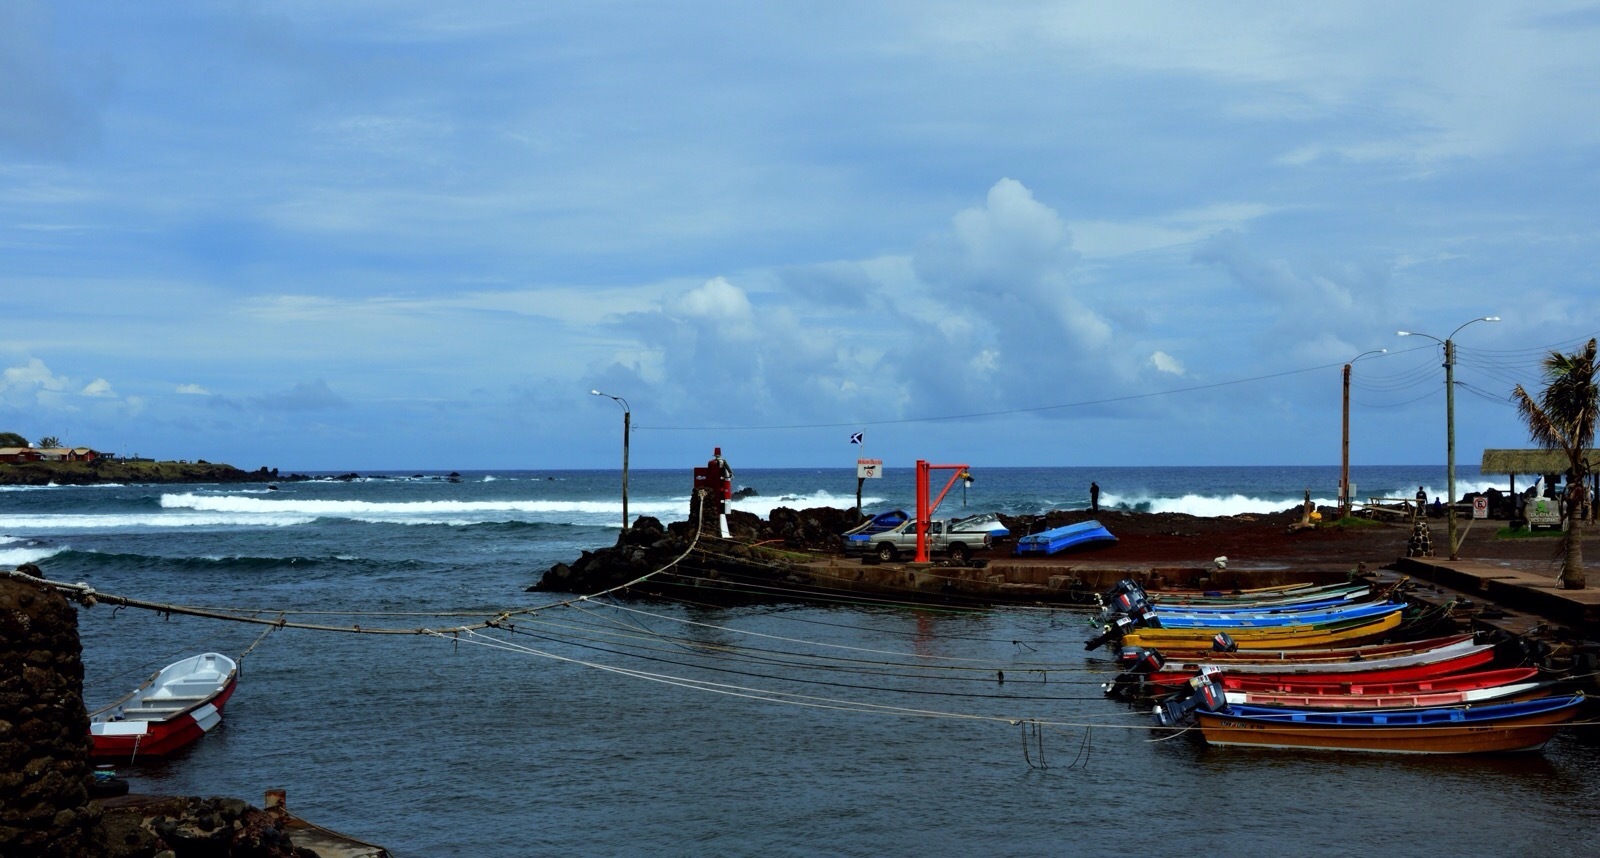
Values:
[(1344, 457), (1450, 412), (627, 422)]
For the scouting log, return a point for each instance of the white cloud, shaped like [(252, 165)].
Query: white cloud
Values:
[(99, 388), (34, 375), (1164, 362), (193, 390)]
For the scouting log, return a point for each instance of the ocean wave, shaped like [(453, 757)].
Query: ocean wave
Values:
[(46, 521), (14, 557), (454, 513)]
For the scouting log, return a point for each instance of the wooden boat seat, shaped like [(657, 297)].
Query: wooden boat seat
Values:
[(175, 698)]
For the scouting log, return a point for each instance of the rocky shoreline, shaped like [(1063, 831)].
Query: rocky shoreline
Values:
[(104, 471), (794, 551)]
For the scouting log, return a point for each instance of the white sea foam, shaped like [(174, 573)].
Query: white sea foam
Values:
[(133, 522), (14, 557), (444, 512)]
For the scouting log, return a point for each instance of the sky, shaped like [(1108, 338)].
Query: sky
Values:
[(413, 235)]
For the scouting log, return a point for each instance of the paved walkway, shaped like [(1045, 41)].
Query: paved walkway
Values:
[(1513, 586)]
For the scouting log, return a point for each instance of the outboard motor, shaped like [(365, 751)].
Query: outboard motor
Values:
[(1146, 617), (1223, 642), (1113, 630), (1207, 695), (1126, 603), (1126, 586), (1140, 661)]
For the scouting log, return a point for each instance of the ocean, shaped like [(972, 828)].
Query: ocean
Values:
[(606, 727)]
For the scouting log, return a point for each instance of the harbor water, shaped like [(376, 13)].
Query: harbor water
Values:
[(607, 727)]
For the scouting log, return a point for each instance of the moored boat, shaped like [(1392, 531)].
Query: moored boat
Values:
[(1269, 638), (1330, 654), (1235, 620), (1495, 728), (1478, 687), (175, 706), (1438, 661)]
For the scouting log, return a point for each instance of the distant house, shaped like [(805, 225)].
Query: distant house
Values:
[(19, 454), (65, 454)]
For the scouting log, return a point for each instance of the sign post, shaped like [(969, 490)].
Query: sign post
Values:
[(866, 469)]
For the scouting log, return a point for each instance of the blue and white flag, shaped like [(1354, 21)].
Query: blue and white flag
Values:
[(856, 438)]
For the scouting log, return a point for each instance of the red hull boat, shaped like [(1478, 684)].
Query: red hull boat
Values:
[(1402, 668), (174, 707), (1457, 689)]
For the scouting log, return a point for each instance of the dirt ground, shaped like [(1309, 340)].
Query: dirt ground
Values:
[(1267, 541)]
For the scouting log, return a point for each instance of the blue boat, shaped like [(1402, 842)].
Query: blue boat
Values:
[(883, 521), (1248, 620), (1061, 538)]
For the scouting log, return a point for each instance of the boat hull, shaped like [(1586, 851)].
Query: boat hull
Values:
[(152, 721), (1275, 637), (1400, 668), (1522, 732)]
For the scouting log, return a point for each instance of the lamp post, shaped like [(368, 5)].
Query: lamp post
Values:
[(1450, 414), (627, 422), (1344, 449)]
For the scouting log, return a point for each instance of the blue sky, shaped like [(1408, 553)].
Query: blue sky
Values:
[(408, 235)]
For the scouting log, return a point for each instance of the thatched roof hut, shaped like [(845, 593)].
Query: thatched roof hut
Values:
[(1531, 462)]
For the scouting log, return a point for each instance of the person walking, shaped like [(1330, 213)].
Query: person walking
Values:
[(1094, 497)]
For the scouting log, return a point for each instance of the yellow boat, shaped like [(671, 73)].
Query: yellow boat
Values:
[(1269, 637)]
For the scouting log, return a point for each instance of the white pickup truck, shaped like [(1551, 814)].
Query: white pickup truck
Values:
[(957, 538)]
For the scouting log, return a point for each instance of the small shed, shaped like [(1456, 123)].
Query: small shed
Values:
[(1538, 462)]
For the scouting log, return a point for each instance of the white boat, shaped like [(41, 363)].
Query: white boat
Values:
[(177, 705)]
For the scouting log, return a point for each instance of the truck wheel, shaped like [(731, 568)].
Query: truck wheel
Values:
[(960, 553), (886, 552)]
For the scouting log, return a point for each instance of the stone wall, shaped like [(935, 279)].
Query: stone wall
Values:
[(44, 730)]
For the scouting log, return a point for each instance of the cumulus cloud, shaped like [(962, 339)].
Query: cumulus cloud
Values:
[(33, 385), (1164, 362), (193, 390), (99, 388), (974, 320)]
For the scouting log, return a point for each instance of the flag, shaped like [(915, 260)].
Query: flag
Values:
[(855, 437)]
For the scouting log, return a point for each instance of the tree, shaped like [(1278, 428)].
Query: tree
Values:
[(49, 441), (1563, 419), (12, 439)]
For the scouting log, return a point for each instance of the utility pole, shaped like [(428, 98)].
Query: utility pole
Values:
[(1344, 453), (1450, 416)]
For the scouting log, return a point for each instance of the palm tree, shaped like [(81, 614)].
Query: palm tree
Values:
[(1563, 419)]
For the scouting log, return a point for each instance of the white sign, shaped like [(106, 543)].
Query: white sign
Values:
[(869, 469), (1480, 507)]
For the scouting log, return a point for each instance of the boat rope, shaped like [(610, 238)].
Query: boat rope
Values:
[(252, 646), (766, 695), (1038, 736)]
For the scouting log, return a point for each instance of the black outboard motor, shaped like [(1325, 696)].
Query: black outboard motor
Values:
[(1146, 617), (1126, 585), (1140, 661), (1111, 631), (1137, 664), (1126, 603), (1223, 642), (1207, 694)]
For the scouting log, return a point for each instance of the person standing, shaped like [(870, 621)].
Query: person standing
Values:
[(1422, 502), (1094, 497)]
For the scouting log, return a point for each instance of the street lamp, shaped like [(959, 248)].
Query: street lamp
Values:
[(1450, 412), (1344, 458), (627, 422)]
